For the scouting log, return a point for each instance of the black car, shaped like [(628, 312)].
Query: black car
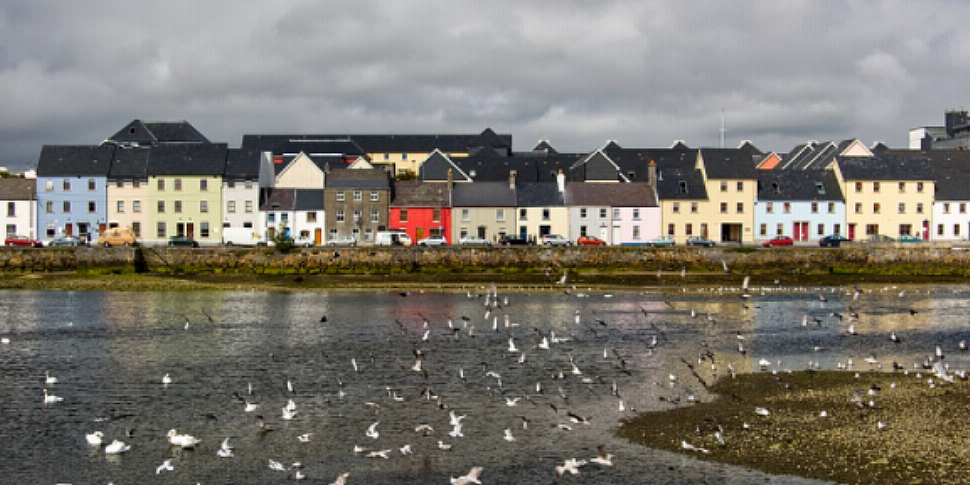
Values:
[(833, 240), (514, 241)]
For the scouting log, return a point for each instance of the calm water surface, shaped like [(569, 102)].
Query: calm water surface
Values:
[(109, 351)]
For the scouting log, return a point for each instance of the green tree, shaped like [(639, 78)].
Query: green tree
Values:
[(282, 240)]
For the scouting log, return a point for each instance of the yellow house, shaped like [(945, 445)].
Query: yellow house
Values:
[(887, 195), (731, 181), (185, 190)]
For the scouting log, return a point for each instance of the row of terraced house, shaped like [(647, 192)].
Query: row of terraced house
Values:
[(163, 179)]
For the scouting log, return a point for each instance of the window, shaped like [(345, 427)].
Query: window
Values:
[(919, 207), (66, 207), (523, 214), (178, 185), (249, 184), (876, 208), (49, 207), (331, 234), (740, 186), (203, 206), (872, 229), (858, 186), (203, 186), (724, 186), (602, 213), (231, 207), (837, 229), (919, 187), (831, 207), (939, 229), (688, 230), (121, 206), (271, 217), (905, 229), (340, 215), (693, 207), (902, 208), (769, 208), (374, 196), (582, 213), (249, 207), (779, 229), (819, 188), (787, 207), (902, 187), (368, 234), (616, 214), (136, 229), (357, 215), (12, 209), (136, 206), (821, 230), (51, 230), (946, 207), (464, 215), (340, 196), (92, 207), (161, 185), (763, 229), (723, 207), (358, 196), (858, 207), (161, 207), (92, 186), (636, 214), (311, 217), (404, 156), (204, 230), (670, 229), (66, 185), (500, 215), (11, 229), (956, 229), (636, 232), (875, 187), (814, 207), (137, 183), (545, 214), (230, 184), (49, 185), (963, 208), (436, 215), (178, 206), (683, 186), (160, 230), (375, 217), (675, 208), (740, 208)]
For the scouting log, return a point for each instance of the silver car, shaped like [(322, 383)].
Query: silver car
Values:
[(342, 241), (474, 241), (436, 240), (556, 240)]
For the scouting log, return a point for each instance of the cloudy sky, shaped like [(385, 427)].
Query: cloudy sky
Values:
[(578, 73)]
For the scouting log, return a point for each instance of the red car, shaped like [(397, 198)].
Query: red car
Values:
[(779, 241), (590, 241), (13, 240)]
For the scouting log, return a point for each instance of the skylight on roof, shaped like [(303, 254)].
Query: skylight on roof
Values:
[(820, 188)]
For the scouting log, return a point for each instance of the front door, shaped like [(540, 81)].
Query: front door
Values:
[(190, 230), (317, 236), (419, 234), (852, 231)]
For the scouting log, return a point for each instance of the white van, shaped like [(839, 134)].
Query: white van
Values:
[(392, 238), (241, 236)]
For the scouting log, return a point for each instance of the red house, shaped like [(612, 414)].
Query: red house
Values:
[(421, 209)]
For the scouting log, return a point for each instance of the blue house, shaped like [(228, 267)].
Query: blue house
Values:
[(803, 204), (71, 191)]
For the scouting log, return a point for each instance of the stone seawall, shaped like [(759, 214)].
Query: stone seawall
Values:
[(887, 259)]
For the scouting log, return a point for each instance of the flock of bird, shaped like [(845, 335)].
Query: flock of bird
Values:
[(537, 378)]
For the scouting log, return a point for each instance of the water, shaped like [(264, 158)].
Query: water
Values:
[(109, 351)]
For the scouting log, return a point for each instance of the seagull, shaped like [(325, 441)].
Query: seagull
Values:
[(95, 438), (454, 419), (225, 451), (512, 347), (602, 457), (277, 466), (760, 411), (372, 431), (379, 454), (406, 450), (304, 438), (508, 435), (468, 478), (424, 429), (288, 414), (165, 466), (166, 380), (456, 431), (512, 401), (689, 447), (116, 447), (341, 479), (444, 446), (571, 466)]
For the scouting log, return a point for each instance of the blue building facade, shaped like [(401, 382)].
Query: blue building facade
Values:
[(72, 191)]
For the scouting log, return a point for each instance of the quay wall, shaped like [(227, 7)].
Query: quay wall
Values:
[(901, 259)]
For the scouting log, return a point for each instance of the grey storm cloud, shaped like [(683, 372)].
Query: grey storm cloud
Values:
[(643, 73)]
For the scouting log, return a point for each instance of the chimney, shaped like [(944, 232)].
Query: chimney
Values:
[(326, 167), (561, 181), (652, 174), (451, 180), (512, 179)]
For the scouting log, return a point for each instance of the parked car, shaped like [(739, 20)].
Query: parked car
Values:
[(342, 241), (67, 241), (433, 240), (474, 241), (700, 241), (878, 238), (910, 238), (661, 242), (183, 241), (303, 241), (509, 240), (117, 236), (779, 241), (590, 241), (556, 240), (833, 240), (15, 240)]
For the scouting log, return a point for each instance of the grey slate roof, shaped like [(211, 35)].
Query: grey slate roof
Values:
[(538, 194), (487, 165), (308, 200), (365, 179), (483, 194), (626, 164), (729, 163), (403, 143), (277, 199), (57, 160), (952, 171), (18, 189), (155, 132), (633, 194), (188, 159), (309, 144), (798, 185), (436, 168), (130, 163), (679, 180), (420, 194), (323, 162), (242, 164), (885, 167)]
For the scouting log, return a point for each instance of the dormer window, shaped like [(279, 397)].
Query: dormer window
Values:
[(683, 186), (819, 188), (472, 173), (775, 188)]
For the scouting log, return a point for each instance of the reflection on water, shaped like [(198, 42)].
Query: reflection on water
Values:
[(110, 350)]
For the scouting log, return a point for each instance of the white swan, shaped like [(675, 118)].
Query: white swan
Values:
[(49, 379), (95, 438), (186, 441), (116, 447), (50, 398), (166, 380)]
